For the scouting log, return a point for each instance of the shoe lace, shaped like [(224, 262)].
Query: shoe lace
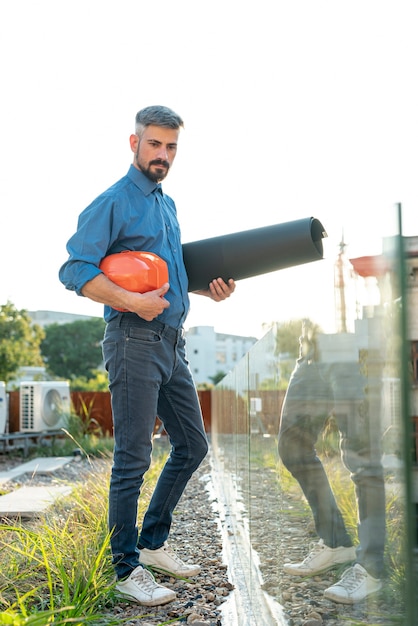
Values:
[(314, 549), (352, 577), (144, 578), (172, 554)]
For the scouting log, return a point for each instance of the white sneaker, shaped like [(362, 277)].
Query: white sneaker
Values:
[(166, 561), (141, 587), (355, 585), (320, 559)]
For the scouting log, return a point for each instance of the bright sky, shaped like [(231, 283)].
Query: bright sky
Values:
[(291, 109)]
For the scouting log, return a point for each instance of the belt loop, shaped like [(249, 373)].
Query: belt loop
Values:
[(119, 319)]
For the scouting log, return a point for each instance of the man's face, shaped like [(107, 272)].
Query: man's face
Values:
[(155, 151)]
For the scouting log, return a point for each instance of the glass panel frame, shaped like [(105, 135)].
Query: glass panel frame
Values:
[(366, 370)]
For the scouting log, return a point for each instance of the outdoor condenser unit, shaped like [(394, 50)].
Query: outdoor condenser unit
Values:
[(44, 405)]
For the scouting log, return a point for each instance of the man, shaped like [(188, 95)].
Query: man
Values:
[(351, 391), (144, 354)]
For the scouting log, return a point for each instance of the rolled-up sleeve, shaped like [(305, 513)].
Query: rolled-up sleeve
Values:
[(88, 245)]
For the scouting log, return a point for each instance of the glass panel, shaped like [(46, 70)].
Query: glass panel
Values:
[(311, 447)]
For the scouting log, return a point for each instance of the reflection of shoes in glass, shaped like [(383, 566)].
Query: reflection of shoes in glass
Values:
[(166, 561), (355, 585), (141, 587), (320, 559)]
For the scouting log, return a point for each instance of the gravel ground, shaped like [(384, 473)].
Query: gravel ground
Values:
[(292, 531), (196, 536)]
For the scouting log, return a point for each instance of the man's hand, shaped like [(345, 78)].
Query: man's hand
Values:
[(218, 289), (150, 304)]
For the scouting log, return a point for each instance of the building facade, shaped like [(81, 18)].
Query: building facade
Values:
[(211, 353)]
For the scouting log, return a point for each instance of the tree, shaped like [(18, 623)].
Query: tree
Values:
[(73, 350), (216, 378), (19, 341), (288, 334), (100, 382), (287, 337)]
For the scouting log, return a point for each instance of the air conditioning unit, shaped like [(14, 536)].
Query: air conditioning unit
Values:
[(3, 407), (44, 405)]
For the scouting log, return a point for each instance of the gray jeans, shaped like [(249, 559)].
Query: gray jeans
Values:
[(149, 376), (315, 390)]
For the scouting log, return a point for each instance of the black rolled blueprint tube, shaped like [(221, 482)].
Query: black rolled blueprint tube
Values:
[(253, 252)]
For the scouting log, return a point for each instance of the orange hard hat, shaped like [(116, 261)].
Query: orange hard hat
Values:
[(135, 270)]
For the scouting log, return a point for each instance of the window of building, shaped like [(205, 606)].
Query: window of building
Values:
[(220, 357)]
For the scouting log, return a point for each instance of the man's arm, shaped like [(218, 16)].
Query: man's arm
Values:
[(146, 305)]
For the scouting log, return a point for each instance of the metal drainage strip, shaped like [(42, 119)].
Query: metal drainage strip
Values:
[(248, 604)]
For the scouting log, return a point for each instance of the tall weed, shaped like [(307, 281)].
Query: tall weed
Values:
[(57, 569)]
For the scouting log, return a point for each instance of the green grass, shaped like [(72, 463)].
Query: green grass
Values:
[(84, 433), (57, 569)]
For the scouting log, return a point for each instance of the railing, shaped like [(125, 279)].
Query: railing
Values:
[(351, 383)]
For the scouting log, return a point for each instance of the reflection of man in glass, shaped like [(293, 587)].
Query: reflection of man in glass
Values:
[(351, 391)]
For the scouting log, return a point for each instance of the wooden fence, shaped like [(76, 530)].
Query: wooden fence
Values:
[(95, 408)]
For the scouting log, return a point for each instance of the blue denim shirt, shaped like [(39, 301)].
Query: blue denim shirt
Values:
[(133, 214)]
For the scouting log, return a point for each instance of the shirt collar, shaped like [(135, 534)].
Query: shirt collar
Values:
[(139, 179)]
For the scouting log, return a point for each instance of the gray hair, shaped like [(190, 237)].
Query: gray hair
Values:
[(157, 116)]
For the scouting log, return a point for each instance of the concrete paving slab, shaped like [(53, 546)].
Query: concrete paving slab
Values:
[(40, 465), (27, 502)]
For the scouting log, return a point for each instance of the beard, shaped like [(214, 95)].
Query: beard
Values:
[(159, 172)]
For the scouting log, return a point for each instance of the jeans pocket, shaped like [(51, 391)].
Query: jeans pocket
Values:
[(146, 335)]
